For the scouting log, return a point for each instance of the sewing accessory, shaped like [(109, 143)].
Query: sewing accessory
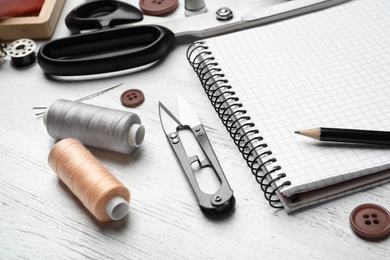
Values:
[(213, 205), (224, 14), (193, 7), (22, 53), (106, 50), (94, 94), (102, 14), (125, 48), (3, 52), (132, 98), (158, 7), (104, 128), (99, 191), (370, 221)]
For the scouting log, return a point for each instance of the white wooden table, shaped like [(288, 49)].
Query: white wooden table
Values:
[(41, 219)]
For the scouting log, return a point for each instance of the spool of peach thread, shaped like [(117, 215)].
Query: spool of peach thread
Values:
[(99, 191)]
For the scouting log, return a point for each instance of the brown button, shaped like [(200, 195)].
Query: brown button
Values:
[(132, 97), (158, 7), (370, 221)]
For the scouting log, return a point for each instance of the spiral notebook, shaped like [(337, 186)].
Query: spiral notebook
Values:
[(330, 68)]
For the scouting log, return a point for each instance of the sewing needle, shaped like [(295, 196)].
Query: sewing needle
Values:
[(91, 95)]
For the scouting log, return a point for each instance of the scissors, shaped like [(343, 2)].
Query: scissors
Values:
[(112, 46), (213, 205)]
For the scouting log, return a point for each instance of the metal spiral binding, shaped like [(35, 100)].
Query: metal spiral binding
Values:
[(242, 130)]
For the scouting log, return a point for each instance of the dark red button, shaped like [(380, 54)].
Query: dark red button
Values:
[(158, 7), (370, 221), (132, 97)]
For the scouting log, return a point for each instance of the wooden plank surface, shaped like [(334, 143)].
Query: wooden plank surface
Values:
[(41, 219)]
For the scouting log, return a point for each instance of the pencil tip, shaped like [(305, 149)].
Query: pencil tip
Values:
[(297, 132)]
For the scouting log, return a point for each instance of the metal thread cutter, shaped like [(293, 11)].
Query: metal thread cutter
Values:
[(213, 205)]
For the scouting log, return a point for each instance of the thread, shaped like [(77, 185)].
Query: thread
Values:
[(193, 7), (99, 191), (109, 129), (22, 53), (3, 51)]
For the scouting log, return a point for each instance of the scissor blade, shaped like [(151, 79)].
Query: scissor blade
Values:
[(206, 25), (168, 121), (187, 115), (289, 9)]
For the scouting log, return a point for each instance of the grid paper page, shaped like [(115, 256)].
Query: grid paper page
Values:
[(325, 69)]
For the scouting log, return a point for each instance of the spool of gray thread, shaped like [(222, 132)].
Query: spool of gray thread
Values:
[(95, 126)]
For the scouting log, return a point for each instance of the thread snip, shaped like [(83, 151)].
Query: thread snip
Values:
[(100, 192), (109, 129)]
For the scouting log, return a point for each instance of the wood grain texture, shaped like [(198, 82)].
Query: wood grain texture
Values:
[(41, 219)]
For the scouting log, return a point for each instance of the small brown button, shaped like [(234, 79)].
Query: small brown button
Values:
[(132, 97), (158, 7), (370, 221)]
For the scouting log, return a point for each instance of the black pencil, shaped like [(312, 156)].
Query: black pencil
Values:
[(347, 135)]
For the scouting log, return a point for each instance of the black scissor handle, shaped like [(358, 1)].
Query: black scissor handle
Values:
[(101, 14), (106, 50)]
